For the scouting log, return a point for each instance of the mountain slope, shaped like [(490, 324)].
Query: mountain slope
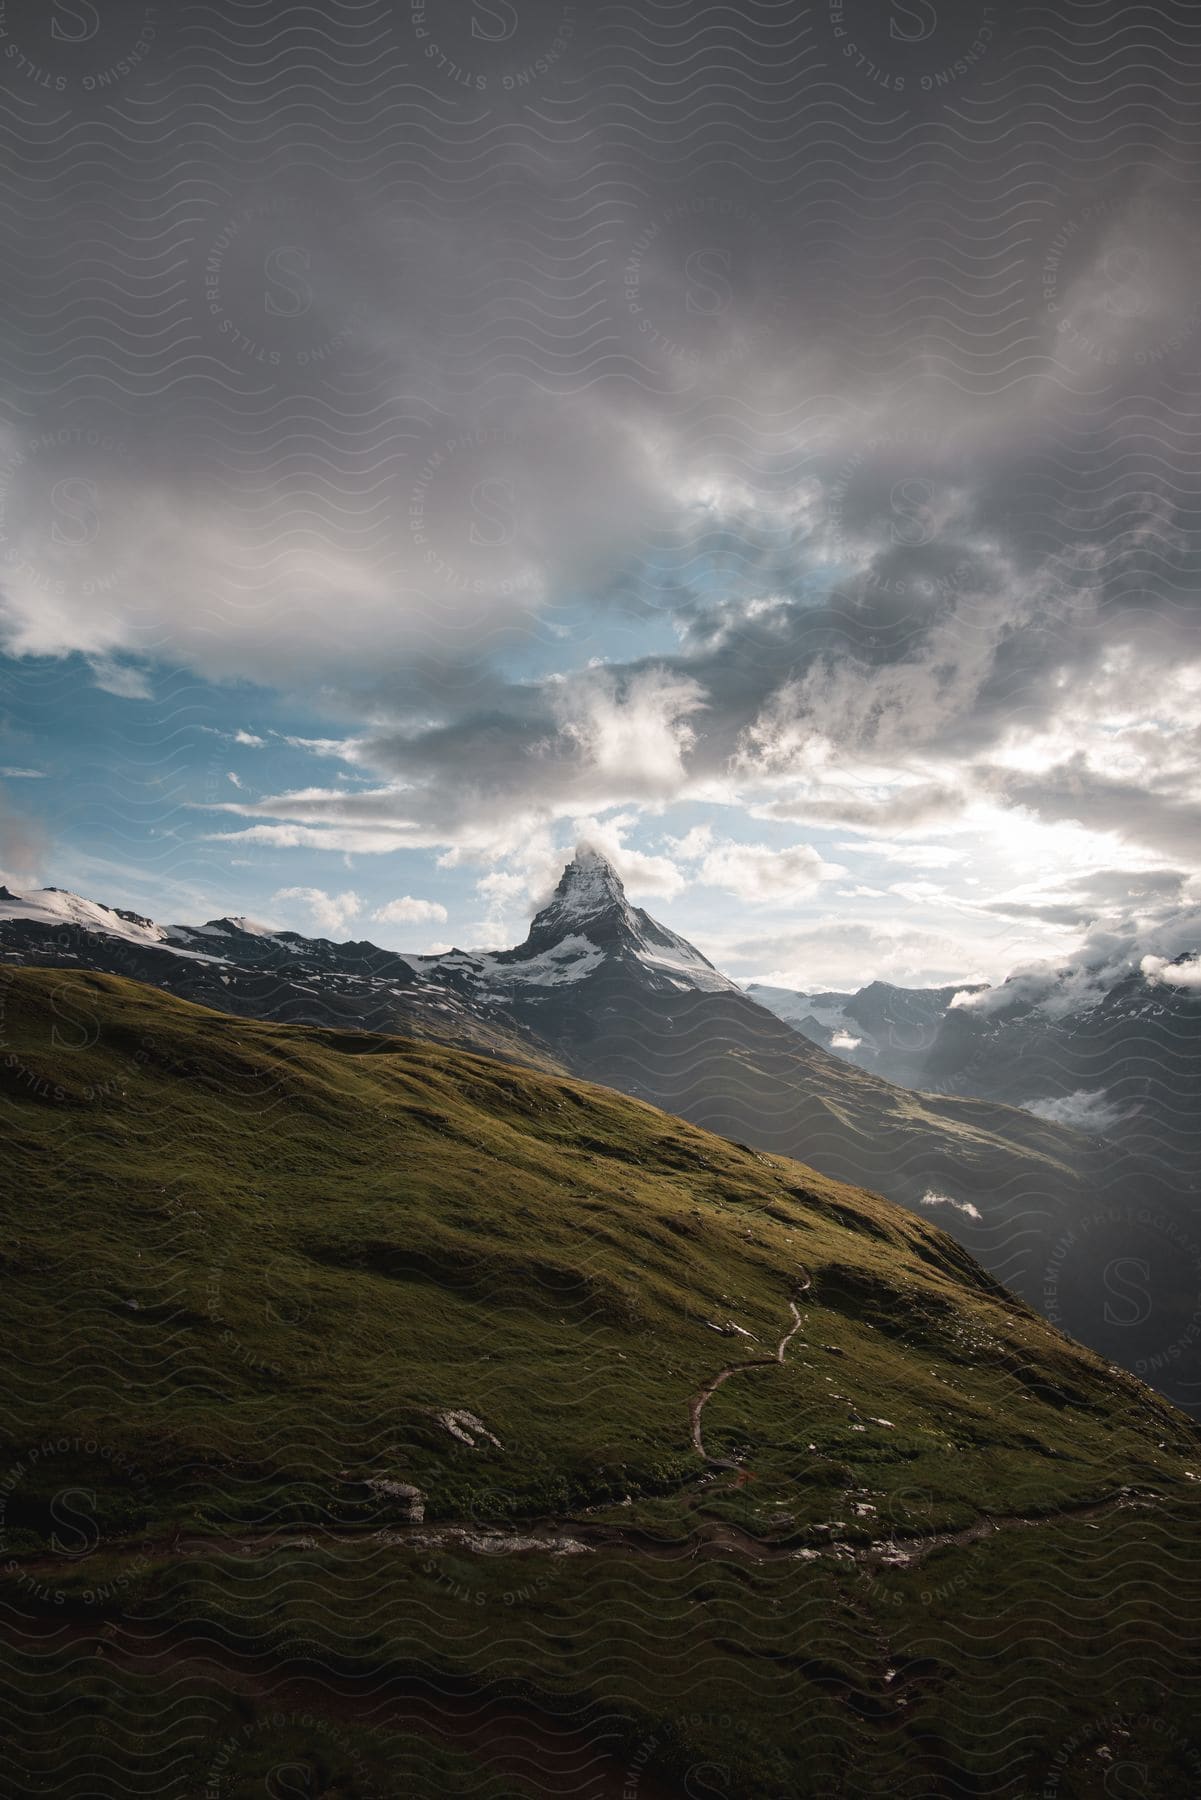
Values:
[(275, 1290), (1046, 1208), (622, 1000), (533, 1214), (602, 990)]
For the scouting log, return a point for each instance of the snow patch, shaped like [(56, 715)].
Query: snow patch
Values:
[(689, 964), (570, 960)]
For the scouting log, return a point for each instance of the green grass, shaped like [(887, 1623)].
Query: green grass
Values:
[(247, 1268)]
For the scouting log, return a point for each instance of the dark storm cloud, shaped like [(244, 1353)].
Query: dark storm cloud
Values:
[(1167, 822), (360, 352), (1110, 894)]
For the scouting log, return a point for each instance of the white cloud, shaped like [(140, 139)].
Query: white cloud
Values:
[(1055, 989), (408, 911), (693, 845), (838, 791), (121, 679), (970, 998), (762, 876), (605, 740), (340, 747), (645, 876), (236, 779), (24, 846), (632, 738), (474, 530), (1149, 942), (23, 774), (881, 710), (248, 737), (354, 840), (1160, 972), (921, 892), (914, 856), (331, 912), (834, 951), (931, 1198), (1085, 1110)]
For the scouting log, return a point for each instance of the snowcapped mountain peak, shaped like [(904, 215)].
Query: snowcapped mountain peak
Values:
[(588, 886), (590, 873), (589, 902), (588, 921)]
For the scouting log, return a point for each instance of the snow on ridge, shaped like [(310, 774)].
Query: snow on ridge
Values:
[(227, 927), (1183, 972), (58, 906), (795, 1007), (697, 972)]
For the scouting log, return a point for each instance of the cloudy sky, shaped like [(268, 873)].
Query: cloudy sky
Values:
[(760, 438)]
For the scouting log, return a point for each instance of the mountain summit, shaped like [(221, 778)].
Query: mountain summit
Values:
[(589, 901), (589, 884), (588, 920)]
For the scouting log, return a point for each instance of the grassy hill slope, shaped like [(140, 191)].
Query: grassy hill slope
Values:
[(271, 1292)]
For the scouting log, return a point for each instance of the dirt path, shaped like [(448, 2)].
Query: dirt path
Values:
[(902, 1551), (576, 1537), (583, 1537), (697, 1404)]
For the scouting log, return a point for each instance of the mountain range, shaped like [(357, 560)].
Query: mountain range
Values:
[(1103, 1242), (1122, 1060)]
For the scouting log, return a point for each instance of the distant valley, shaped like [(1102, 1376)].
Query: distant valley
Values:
[(1122, 1061)]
